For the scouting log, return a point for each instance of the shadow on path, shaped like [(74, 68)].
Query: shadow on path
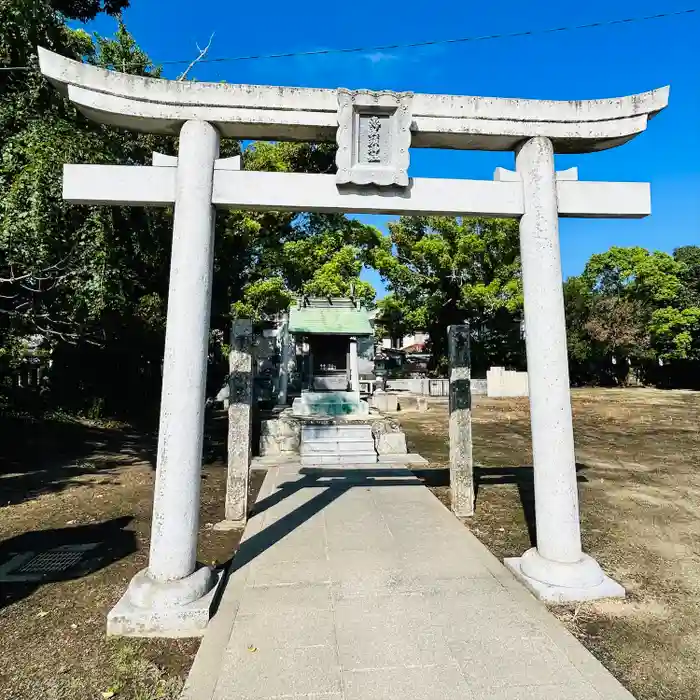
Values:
[(333, 484), (521, 476)]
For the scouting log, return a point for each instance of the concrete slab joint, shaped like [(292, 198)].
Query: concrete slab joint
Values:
[(381, 593)]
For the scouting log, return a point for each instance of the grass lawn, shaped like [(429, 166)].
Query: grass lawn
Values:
[(638, 452), (67, 482)]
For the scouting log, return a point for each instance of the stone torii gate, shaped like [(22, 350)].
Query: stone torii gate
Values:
[(374, 131)]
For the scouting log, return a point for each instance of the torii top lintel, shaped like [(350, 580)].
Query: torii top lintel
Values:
[(308, 114)]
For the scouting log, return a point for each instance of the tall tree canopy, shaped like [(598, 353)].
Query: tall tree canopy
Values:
[(283, 255), (635, 308), (79, 278), (91, 282), (442, 271)]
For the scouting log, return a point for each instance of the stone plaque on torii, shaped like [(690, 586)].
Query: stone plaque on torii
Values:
[(374, 131)]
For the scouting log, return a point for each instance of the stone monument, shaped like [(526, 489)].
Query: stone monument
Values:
[(460, 428), (240, 421)]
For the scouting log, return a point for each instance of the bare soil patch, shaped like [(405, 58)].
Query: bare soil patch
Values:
[(71, 482), (637, 452)]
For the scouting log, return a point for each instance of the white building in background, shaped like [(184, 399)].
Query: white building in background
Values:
[(408, 343)]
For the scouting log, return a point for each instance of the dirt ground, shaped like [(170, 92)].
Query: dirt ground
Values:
[(64, 482), (68, 482), (638, 452)]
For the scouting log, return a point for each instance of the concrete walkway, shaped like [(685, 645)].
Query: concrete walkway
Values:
[(358, 584)]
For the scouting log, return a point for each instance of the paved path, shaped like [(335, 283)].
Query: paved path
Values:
[(357, 584)]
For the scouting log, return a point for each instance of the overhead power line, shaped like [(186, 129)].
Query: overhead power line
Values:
[(419, 44), (437, 42)]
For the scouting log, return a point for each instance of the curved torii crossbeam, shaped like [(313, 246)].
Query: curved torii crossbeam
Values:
[(308, 114), (374, 131)]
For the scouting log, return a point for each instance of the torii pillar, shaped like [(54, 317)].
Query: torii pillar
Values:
[(172, 597), (556, 569)]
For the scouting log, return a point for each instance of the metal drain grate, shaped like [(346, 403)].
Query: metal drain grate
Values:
[(34, 566), (50, 562)]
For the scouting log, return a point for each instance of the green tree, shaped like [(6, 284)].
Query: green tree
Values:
[(92, 281), (652, 278), (396, 318), (689, 257), (633, 307), (585, 355), (444, 271), (676, 333), (282, 254)]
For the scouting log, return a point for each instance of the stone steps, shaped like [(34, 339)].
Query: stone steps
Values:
[(315, 459), (340, 444), (342, 431)]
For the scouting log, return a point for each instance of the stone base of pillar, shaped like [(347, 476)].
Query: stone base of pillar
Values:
[(150, 608), (563, 583), (227, 525)]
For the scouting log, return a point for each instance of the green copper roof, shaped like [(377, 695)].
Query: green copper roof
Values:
[(329, 321)]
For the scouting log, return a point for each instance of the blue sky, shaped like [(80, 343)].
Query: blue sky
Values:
[(590, 63)]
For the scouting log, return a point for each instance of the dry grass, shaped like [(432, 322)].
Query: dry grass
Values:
[(74, 482), (638, 452)]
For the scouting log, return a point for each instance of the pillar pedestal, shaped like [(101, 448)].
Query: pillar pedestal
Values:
[(171, 598), (172, 609), (556, 570), (556, 582)]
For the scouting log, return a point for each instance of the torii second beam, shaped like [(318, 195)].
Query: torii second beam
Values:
[(248, 190)]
